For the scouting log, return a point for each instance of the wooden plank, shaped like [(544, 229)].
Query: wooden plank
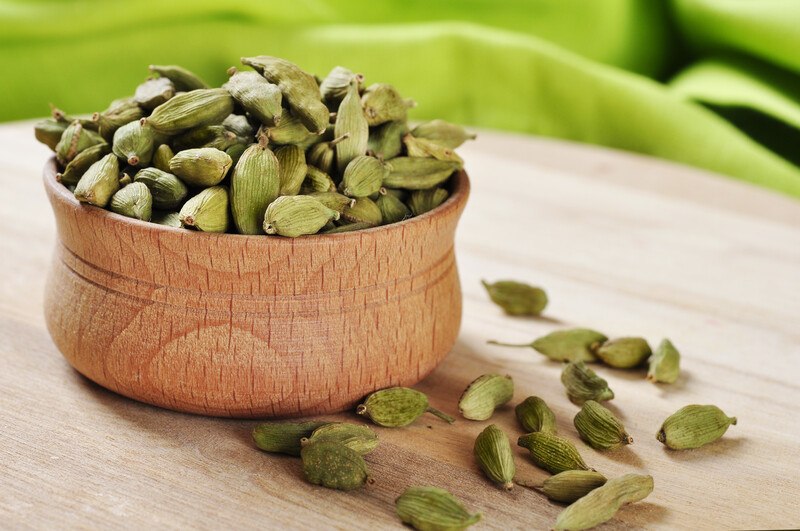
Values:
[(623, 244)]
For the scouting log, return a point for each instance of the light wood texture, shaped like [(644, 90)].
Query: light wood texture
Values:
[(251, 326), (622, 243)]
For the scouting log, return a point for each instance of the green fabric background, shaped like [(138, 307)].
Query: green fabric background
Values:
[(708, 83)]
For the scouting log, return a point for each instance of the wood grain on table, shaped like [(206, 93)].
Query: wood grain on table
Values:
[(624, 244)]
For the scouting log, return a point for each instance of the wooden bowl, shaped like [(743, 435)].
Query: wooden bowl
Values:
[(251, 326)]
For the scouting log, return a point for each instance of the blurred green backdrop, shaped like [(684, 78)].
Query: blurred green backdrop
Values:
[(713, 83)]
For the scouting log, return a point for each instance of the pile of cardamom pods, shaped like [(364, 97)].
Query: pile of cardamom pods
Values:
[(275, 150), (333, 453)]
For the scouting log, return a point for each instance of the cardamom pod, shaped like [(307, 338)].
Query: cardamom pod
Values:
[(133, 201), (363, 176), (49, 132), (571, 485), (552, 453), (694, 426), (74, 140), (382, 103), (433, 509), (422, 201), (392, 209), (363, 210), (322, 155), (421, 147), (293, 168), (413, 173), (161, 157), (290, 130), (100, 182), (255, 183), (386, 141), (201, 166), (443, 133), (334, 200), (398, 406), (119, 113), (168, 219), (665, 363), (183, 79), (317, 181), (350, 121), (207, 211), (256, 95), (357, 437), (297, 215), (82, 161), (333, 465), (574, 344), (284, 437), (213, 136), (624, 353), (494, 456), (602, 503), (517, 298), (154, 92), (240, 126), (191, 109), (583, 384), (134, 142), (484, 395), (347, 227), (167, 190), (533, 415), (599, 428), (334, 87)]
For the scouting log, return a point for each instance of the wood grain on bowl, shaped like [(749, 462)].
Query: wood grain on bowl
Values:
[(251, 326)]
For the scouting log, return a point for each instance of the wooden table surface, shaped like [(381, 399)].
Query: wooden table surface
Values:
[(624, 244)]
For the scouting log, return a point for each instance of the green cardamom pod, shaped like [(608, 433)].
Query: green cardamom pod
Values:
[(154, 92), (99, 182), (386, 141), (183, 79), (134, 142), (49, 132), (413, 173), (443, 133), (665, 363), (201, 166), (363, 176), (392, 209), (256, 95), (422, 201), (694, 426), (161, 157), (574, 344), (624, 352), (321, 155), (293, 168), (133, 201), (363, 210), (297, 215), (236, 151), (599, 428), (290, 130), (207, 211), (347, 227), (494, 456), (571, 485), (382, 103), (214, 136), (334, 87), (333, 465), (398, 406), (484, 395), (533, 415), (284, 437), (191, 109), (357, 437), (74, 140), (350, 121), (421, 147), (240, 126), (583, 384), (317, 181), (517, 298), (82, 161), (124, 180), (255, 183), (602, 503), (168, 219), (334, 200), (85, 120), (167, 190), (119, 113), (299, 89), (552, 453), (433, 509)]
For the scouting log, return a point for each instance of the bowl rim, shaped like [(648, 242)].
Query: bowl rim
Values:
[(460, 188)]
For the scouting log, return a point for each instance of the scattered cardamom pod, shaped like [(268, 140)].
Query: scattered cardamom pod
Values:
[(154, 92), (191, 109), (255, 183), (395, 407), (293, 168), (296, 215), (413, 173), (602, 503), (183, 79), (74, 140), (583, 384), (322, 155), (533, 415), (357, 437), (49, 132), (99, 182), (574, 344), (516, 298), (347, 227), (386, 141), (422, 201), (421, 147), (599, 428), (334, 87), (484, 395), (334, 200), (134, 142), (206, 136), (161, 157), (350, 121), (551, 452), (624, 352), (240, 126), (317, 181), (290, 130), (363, 176), (207, 211), (392, 209), (168, 219), (665, 363), (570, 485), (333, 465), (82, 161), (694, 426), (167, 190), (382, 103), (494, 456), (133, 201), (201, 166), (119, 113), (284, 437), (433, 509), (256, 95), (363, 210), (443, 133)]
